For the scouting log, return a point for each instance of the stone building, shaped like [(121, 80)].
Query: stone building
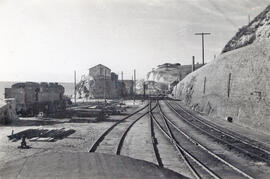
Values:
[(100, 71), (116, 86), (104, 83), (128, 87)]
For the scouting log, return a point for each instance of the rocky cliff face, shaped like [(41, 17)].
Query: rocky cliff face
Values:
[(235, 85), (257, 30), (166, 73)]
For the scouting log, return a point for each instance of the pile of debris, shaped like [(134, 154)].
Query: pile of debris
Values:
[(43, 135), (100, 110)]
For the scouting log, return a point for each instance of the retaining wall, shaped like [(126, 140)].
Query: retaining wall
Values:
[(236, 84)]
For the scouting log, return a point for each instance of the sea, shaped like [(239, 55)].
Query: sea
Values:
[(69, 88)]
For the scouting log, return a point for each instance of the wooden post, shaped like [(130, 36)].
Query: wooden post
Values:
[(104, 86), (193, 63), (229, 84), (75, 89), (132, 86), (122, 85), (134, 94), (143, 91), (204, 85)]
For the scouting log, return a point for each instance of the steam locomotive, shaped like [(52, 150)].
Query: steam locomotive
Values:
[(32, 98)]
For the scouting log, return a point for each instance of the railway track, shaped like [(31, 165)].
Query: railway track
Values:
[(168, 135), (202, 162), (233, 134), (154, 139), (120, 144), (124, 134), (232, 141)]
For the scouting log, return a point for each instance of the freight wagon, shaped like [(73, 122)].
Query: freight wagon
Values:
[(32, 98)]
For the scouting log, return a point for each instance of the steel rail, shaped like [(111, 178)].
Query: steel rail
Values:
[(206, 149), (222, 131), (180, 153), (121, 142), (184, 151), (106, 132), (154, 139), (217, 138)]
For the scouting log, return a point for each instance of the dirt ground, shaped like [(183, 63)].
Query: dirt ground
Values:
[(86, 132)]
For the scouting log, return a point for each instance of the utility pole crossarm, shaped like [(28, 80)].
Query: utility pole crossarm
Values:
[(203, 33)]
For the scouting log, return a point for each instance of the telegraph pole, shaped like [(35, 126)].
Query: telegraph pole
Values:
[(75, 86), (202, 34), (122, 85), (180, 73), (134, 84), (144, 91), (104, 87), (193, 63)]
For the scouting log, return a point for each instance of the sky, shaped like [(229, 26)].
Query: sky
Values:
[(46, 40)]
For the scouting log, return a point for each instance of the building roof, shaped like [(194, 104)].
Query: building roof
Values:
[(169, 65), (99, 65)]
